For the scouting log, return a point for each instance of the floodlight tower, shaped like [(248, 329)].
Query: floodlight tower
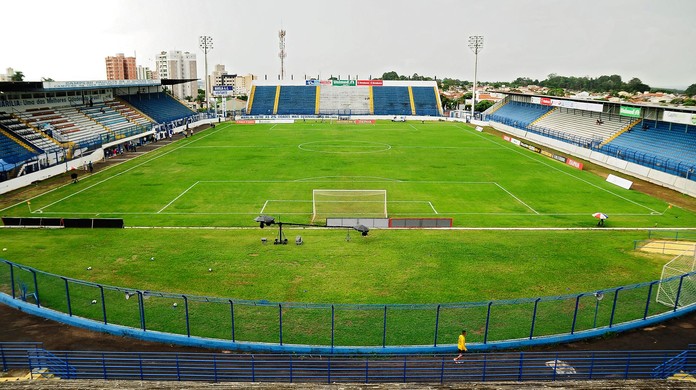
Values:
[(282, 54), (476, 45), (206, 44)]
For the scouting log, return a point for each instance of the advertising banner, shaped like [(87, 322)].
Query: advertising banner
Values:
[(364, 121), (222, 90), (633, 112), (544, 101), (246, 122), (370, 82), (343, 83), (574, 164), (312, 82), (679, 117)]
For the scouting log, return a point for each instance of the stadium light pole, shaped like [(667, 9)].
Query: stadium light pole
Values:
[(206, 44), (476, 45)]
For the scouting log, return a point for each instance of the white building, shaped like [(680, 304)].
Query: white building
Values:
[(176, 65), (7, 76)]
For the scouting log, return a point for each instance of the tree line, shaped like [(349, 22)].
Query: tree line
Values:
[(606, 83)]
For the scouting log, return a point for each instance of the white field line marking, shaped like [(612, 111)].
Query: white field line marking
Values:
[(319, 179), (175, 199), (272, 127), (516, 198), (121, 173), (513, 149), (308, 201), (264, 207), (413, 127), (439, 228), (433, 207)]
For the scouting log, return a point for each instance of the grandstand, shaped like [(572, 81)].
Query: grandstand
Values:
[(159, 106), (337, 100), (345, 97), (44, 123), (657, 138)]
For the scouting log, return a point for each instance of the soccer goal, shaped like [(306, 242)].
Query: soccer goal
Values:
[(349, 203), (668, 290)]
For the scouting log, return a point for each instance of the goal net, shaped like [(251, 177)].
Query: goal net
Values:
[(669, 288), (349, 203)]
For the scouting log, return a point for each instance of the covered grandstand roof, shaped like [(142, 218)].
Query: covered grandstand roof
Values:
[(44, 86)]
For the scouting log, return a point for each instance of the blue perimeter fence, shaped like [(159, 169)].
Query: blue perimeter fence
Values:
[(341, 328), (218, 367)]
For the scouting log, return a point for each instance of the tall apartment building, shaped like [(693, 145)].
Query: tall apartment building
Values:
[(219, 76), (120, 67), (175, 64), (144, 73), (241, 84)]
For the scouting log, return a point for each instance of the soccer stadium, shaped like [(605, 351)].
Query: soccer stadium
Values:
[(345, 231)]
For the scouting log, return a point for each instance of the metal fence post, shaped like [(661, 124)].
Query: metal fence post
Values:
[(2, 355), (36, 288), (215, 376), (141, 309), (647, 300), (613, 307), (104, 365), (12, 281), (367, 369), (488, 320), (536, 304), (628, 365), (291, 369), (328, 369), (103, 302), (333, 325), (280, 323), (232, 316), (384, 331), (67, 295), (442, 371), (404, 369), (676, 301), (140, 363), (437, 322), (521, 364), (186, 311), (485, 363), (178, 372)]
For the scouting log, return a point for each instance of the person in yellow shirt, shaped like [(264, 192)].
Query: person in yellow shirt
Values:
[(461, 346)]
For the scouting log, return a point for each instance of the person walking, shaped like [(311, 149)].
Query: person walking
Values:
[(461, 346)]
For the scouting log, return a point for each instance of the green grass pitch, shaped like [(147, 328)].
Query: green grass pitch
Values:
[(191, 206)]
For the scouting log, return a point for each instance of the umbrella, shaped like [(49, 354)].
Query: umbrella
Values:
[(600, 215)]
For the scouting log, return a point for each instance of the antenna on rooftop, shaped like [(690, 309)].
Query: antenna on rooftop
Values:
[(282, 54)]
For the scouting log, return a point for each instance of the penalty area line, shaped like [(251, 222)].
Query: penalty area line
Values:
[(175, 199), (516, 198)]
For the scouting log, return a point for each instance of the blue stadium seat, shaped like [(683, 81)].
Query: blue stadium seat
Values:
[(264, 100), (664, 140), (13, 153), (391, 101), (519, 114), (296, 100), (425, 101), (159, 106)]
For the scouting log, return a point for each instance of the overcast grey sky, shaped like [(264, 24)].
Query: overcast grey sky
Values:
[(649, 39)]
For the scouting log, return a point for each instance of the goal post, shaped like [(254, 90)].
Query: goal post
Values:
[(673, 286), (349, 203)]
